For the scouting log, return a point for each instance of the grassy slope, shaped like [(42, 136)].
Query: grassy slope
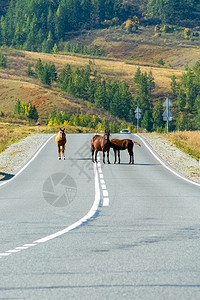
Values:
[(125, 52), (143, 47), (14, 83)]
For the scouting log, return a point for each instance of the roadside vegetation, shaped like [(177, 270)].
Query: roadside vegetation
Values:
[(95, 62), (187, 141), (13, 132)]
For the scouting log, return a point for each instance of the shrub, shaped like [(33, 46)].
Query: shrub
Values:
[(167, 28), (2, 61), (187, 33), (161, 62)]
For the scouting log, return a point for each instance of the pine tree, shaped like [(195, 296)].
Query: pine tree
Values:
[(157, 117), (3, 62), (39, 67), (33, 114), (17, 109), (30, 71), (173, 88), (181, 101)]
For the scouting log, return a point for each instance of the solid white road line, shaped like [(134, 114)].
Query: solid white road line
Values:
[(86, 218), (162, 162), (28, 163)]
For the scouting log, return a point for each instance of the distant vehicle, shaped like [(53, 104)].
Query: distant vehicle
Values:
[(125, 131)]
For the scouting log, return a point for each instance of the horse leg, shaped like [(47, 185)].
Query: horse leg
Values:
[(92, 149), (131, 157), (96, 152), (118, 156), (59, 154), (103, 157), (108, 161), (115, 155), (63, 151)]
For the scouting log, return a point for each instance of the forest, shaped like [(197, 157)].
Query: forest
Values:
[(39, 25), (36, 25), (116, 97)]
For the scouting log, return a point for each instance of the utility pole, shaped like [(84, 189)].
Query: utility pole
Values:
[(138, 116), (167, 115)]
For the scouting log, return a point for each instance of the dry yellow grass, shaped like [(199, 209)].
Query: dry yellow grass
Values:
[(119, 70), (188, 141), (43, 98), (12, 133)]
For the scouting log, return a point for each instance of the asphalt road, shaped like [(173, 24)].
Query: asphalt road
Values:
[(76, 230)]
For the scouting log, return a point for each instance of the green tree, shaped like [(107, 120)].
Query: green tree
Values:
[(39, 68), (17, 108), (55, 49), (2, 61), (181, 101), (30, 71), (173, 87), (157, 116), (33, 114)]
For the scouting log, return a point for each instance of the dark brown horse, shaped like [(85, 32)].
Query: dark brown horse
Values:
[(101, 143), (118, 145), (61, 141)]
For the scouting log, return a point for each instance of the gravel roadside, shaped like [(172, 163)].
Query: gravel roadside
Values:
[(178, 160), (16, 156)]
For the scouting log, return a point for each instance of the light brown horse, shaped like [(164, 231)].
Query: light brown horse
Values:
[(118, 145), (61, 141), (101, 143)]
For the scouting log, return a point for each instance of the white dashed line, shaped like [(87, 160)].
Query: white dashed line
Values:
[(105, 193), (105, 201), (86, 218), (103, 186), (21, 248)]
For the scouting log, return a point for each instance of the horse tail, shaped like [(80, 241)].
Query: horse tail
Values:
[(136, 143)]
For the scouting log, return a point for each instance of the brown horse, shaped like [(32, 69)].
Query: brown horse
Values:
[(118, 145), (61, 141), (101, 143)]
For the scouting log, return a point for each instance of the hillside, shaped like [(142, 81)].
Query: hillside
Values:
[(145, 46), (15, 84)]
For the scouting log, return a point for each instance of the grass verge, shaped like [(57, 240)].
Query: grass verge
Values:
[(12, 133), (187, 141)]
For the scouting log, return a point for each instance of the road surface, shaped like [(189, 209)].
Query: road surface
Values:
[(76, 230)]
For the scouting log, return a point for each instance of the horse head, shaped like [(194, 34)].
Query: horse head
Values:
[(107, 135), (62, 134)]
